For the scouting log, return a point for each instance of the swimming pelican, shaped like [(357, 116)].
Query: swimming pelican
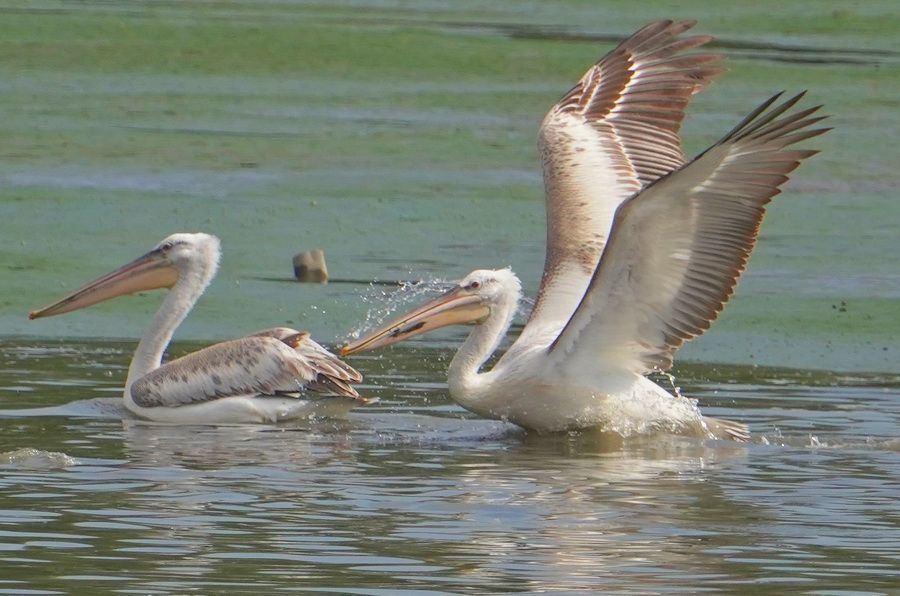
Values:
[(643, 250), (264, 377)]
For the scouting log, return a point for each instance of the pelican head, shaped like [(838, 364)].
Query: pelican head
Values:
[(473, 300), (177, 257)]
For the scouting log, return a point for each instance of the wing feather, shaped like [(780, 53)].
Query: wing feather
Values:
[(615, 131), (268, 363), (678, 247), (277, 332)]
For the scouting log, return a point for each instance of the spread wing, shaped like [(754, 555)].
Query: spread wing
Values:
[(271, 362), (677, 249), (614, 132)]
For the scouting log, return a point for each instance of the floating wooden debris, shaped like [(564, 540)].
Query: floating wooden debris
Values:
[(309, 266)]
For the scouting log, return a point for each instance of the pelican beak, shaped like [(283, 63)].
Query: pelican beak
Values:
[(455, 307), (149, 272)]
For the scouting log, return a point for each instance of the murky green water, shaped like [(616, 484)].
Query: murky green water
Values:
[(399, 137), (413, 494)]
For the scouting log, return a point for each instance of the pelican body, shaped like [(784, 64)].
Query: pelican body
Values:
[(269, 376), (643, 249)]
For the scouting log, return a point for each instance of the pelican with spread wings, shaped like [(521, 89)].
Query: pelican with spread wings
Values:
[(643, 249), (270, 376)]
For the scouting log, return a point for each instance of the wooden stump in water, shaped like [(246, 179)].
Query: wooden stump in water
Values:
[(309, 266)]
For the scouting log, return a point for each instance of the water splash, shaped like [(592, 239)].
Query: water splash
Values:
[(387, 302), (676, 389), (37, 459), (776, 438)]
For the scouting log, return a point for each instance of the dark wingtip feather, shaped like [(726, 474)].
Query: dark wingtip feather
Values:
[(763, 123), (750, 117)]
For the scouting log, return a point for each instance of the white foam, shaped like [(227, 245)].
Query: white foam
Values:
[(387, 302), (37, 459)]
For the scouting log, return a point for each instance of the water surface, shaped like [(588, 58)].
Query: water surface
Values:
[(400, 138), (414, 494)]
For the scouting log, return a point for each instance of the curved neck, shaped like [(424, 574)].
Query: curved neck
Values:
[(464, 378), (178, 303)]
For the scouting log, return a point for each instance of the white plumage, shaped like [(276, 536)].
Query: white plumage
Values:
[(643, 250), (266, 377)]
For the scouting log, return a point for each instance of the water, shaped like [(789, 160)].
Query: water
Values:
[(399, 137), (413, 494)]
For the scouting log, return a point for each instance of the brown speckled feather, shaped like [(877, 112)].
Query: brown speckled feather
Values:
[(278, 361), (677, 249), (614, 132)]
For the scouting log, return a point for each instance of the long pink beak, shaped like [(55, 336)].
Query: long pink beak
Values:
[(455, 307), (149, 272)]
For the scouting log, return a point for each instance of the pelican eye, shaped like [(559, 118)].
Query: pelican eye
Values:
[(169, 245), (474, 285)]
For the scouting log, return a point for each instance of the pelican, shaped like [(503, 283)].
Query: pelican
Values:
[(264, 377), (643, 249)]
